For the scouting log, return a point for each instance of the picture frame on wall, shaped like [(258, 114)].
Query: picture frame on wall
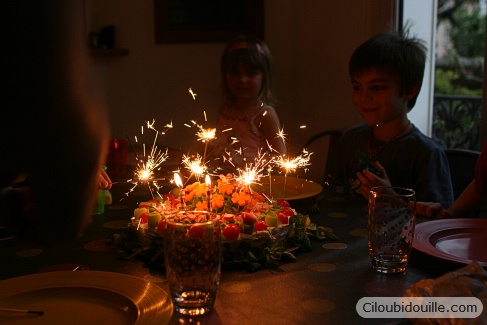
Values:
[(190, 21)]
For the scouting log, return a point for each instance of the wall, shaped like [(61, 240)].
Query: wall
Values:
[(310, 40)]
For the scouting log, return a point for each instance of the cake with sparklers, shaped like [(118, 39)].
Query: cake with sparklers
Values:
[(257, 229)]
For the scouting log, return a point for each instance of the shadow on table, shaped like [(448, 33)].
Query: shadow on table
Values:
[(432, 265)]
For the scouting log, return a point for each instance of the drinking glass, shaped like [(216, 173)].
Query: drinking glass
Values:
[(192, 253), (391, 221)]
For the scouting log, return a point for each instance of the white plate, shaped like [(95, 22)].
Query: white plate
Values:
[(287, 188), (84, 297), (456, 240)]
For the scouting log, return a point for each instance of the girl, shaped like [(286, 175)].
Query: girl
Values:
[(247, 122)]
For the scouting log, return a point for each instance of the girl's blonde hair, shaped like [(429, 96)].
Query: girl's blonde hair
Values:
[(254, 55)]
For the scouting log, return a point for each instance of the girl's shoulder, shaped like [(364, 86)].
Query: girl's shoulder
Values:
[(264, 110)]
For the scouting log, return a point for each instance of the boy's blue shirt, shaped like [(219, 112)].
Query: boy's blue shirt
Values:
[(413, 161)]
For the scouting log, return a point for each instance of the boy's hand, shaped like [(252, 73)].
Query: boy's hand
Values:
[(432, 210), (369, 180)]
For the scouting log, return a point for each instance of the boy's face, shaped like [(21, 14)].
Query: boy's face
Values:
[(377, 97)]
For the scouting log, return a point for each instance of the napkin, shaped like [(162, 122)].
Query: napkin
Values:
[(468, 281)]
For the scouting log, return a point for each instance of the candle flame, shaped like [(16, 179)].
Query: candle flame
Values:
[(177, 180)]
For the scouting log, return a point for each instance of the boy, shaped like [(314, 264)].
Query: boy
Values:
[(387, 150)]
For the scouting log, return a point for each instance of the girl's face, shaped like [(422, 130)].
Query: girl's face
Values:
[(244, 84), (377, 97)]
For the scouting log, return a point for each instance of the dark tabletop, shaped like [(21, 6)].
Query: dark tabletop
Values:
[(323, 286)]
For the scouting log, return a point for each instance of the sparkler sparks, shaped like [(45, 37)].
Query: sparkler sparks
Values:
[(291, 164), (192, 93), (205, 135), (282, 135), (148, 164), (195, 165), (253, 172)]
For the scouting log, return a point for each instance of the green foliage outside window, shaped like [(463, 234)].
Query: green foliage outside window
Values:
[(468, 32), (445, 84), (456, 118)]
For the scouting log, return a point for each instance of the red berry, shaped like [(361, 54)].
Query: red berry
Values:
[(231, 231), (283, 218), (260, 225), (283, 203), (288, 212), (249, 218), (168, 197), (161, 225)]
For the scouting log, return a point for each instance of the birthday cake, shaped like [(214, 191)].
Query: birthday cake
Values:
[(256, 231)]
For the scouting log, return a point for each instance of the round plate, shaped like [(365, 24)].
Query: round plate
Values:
[(456, 240), (287, 188), (84, 297)]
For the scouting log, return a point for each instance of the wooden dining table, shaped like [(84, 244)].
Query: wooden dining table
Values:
[(322, 287)]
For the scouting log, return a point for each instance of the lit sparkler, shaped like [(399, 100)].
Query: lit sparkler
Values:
[(282, 135), (291, 164), (148, 164), (253, 172), (261, 166), (205, 135), (195, 165)]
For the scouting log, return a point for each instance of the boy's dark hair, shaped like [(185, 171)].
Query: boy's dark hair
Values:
[(395, 54)]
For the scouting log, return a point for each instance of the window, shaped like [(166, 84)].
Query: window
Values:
[(454, 32)]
